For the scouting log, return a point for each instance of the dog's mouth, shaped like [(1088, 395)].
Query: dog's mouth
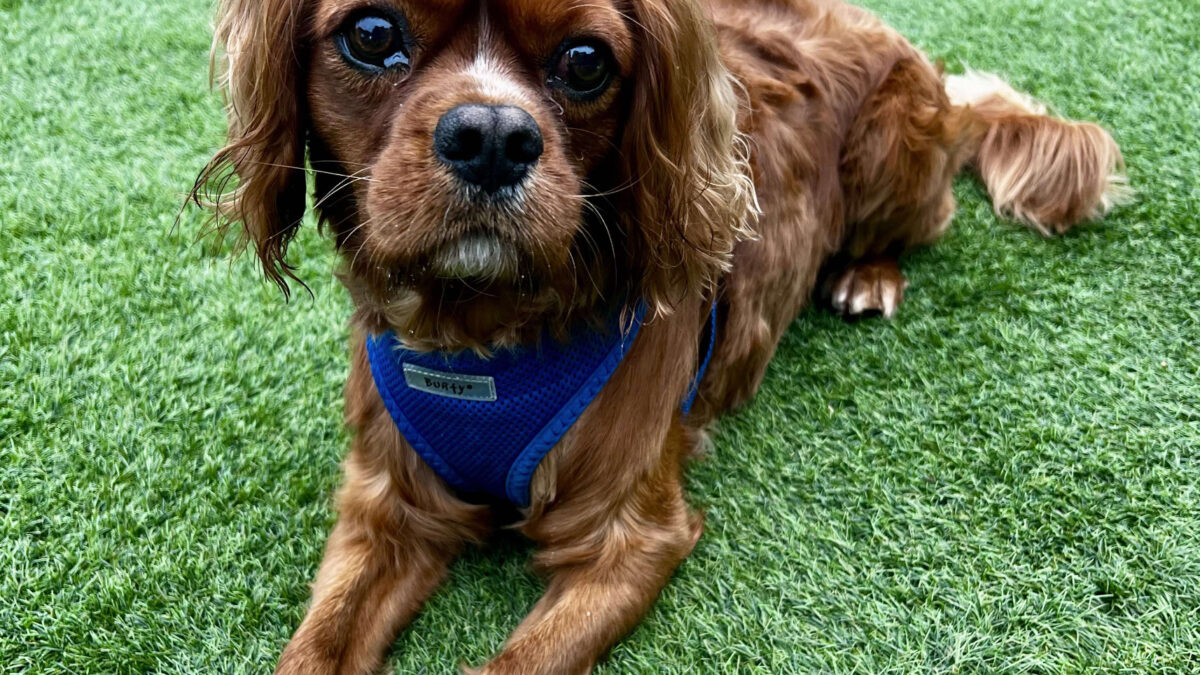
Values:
[(476, 256)]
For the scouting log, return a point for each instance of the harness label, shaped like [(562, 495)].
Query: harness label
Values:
[(450, 385)]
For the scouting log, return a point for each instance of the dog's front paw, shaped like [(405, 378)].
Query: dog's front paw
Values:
[(508, 664), (294, 663), (306, 657), (869, 289), (493, 668), (299, 662)]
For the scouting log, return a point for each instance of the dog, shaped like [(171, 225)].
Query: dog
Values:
[(573, 232)]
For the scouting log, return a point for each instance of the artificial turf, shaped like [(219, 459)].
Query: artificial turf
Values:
[(1002, 479)]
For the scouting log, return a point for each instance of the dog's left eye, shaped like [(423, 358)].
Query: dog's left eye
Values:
[(583, 69), (374, 42)]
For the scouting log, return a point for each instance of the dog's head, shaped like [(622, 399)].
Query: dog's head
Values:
[(518, 158)]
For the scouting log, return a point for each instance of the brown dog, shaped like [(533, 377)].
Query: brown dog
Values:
[(494, 171)]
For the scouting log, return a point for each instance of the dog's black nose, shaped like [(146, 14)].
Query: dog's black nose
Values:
[(491, 146)]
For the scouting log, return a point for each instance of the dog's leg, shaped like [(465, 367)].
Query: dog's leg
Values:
[(603, 577), (900, 158), (366, 591), (398, 529)]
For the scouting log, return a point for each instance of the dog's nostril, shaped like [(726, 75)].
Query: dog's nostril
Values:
[(523, 146), (463, 133), (464, 145), (489, 146)]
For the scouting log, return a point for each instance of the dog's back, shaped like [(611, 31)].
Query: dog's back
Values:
[(855, 140)]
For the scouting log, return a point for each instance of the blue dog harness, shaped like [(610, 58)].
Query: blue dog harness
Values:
[(484, 424)]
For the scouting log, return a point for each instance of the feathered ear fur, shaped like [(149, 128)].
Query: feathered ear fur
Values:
[(261, 76), (691, 191)]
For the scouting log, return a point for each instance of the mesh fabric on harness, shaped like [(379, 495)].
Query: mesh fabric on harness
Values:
[(484, 424)]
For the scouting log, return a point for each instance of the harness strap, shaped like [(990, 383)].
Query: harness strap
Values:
[(485, 424), (708, 342)]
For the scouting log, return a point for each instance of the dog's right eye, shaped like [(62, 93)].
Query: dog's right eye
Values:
[(373, 42)]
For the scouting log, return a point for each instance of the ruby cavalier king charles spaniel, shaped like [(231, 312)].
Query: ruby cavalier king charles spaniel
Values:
[(573, 232)]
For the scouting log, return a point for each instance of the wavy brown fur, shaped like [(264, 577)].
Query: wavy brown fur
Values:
[(809, 120), (265, 152), (1048, 173)]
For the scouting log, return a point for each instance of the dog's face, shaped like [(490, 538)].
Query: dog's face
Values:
[(516, 149), (479, 124)]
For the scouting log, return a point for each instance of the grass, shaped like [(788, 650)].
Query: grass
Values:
[(1003, 479)]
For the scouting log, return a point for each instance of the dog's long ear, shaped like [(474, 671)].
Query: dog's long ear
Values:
[(258, 54), (692, 195)]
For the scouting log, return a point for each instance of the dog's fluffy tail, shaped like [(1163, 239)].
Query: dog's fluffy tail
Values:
[(1046, 172)]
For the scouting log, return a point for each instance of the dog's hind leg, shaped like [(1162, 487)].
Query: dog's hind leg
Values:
[(900, 158)]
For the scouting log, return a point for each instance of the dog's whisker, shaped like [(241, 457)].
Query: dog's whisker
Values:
[(346, 182), (309, 168)]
